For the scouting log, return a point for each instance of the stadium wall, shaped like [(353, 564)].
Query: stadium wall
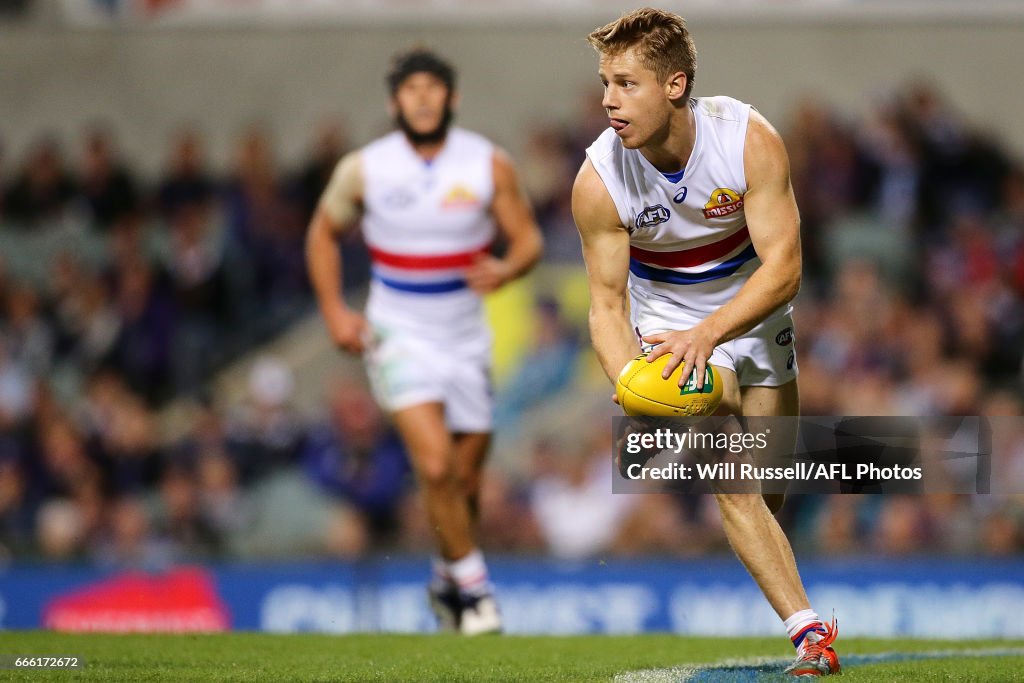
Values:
[(900, 598), (147, 82)]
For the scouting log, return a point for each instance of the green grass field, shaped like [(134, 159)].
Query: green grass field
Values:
[(447, 659)]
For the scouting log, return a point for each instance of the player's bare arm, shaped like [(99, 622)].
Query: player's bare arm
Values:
[(514, 217), (606, 254), (338, 210), (774, 225)]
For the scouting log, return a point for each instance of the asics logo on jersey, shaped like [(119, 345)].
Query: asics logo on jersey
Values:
[(652, 215), (723, 202)]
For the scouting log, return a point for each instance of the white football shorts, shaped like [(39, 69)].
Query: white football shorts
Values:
[(763, 357), (406, 369)]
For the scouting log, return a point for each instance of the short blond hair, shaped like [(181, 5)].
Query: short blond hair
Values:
[(661, 38)]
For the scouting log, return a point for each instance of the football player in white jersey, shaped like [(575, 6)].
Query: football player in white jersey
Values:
[(431, 198), (689, 226)]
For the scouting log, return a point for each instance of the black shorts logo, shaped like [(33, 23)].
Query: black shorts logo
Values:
[(784, 338), (791, 361)]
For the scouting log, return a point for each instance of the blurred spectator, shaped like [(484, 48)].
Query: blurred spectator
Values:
[(590, 119), (43, 190), (186, 178), (28, 339), (902, 526), (126, 446), (838, 529), (506, 521), (346, 535), (179, 519), (107, 186), (202, 456), (126, 246), (547, 169), (263, 223), (59, 531), (265, 434), (547, 368), (144, 346), (86, 323), (572, 500), (15, 513), (894, 171), (1003, 531), (16, 390), (330, 145), (206, 437), (549, 166), (960, 169), (66, 468), (356, 458), (198, 282), (828, 171), (129, 541), (220, 497)]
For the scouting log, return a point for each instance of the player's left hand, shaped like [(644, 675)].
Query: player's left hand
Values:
[(487, 274), (692, 347)]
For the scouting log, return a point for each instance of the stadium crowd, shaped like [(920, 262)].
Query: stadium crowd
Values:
[(913, 224)]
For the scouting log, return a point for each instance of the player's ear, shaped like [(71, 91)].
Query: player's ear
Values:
[(675, 86), (454, 99)]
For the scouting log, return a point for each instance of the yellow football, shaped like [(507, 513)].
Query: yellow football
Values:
[(642, 391)]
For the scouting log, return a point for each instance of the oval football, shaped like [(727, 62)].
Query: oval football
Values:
[(642, 391)]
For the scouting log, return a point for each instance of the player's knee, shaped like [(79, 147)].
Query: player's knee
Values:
[(467, 482), (436, 473)]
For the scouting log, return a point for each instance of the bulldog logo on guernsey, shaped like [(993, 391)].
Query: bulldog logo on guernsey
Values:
[(723, 202), (459, 197)]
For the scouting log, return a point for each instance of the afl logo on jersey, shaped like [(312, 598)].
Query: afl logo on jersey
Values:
[(784, 338), (723, 202), (652, 215)]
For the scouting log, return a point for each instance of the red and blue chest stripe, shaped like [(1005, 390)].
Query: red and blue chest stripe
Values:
[(423, 273), (660, 266)]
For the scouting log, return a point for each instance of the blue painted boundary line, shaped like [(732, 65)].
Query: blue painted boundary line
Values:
[(769, 669)]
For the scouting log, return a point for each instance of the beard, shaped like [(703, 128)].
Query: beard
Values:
[(430, 137)]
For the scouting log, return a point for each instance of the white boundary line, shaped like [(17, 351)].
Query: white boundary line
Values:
[(682, 674)]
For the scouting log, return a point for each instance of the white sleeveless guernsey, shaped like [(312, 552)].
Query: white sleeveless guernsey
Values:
[(690, 251), (424, 223)]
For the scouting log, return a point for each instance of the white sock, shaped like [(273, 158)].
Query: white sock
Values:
[(470, 573), (440, 578), (799, 624)]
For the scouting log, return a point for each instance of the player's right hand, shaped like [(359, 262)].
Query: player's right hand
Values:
[(348, 330)]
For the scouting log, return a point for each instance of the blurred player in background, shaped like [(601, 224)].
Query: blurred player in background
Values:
[(686, 205), (431, 199)]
